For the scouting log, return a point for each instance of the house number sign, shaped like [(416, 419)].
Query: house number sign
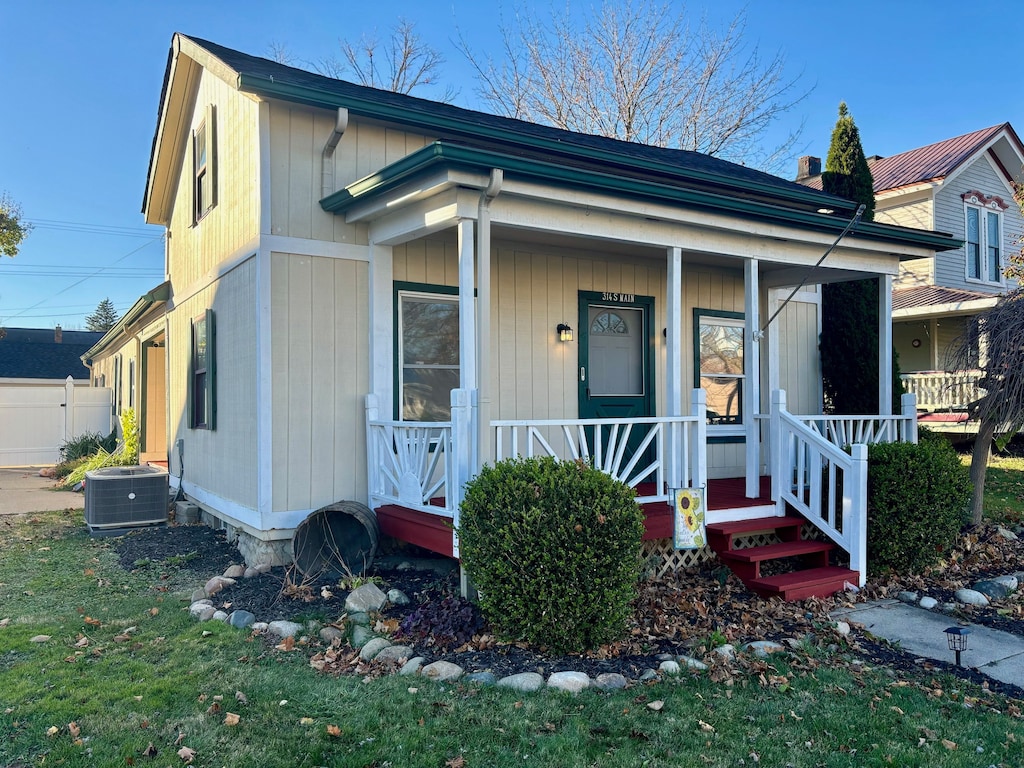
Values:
[(621, 297)]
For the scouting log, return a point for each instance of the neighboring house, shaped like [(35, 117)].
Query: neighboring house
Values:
[(45, 397), (130, 358), (963, 186), (40, 356), (373, 294)]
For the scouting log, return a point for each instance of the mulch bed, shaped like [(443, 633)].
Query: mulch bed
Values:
[(677, 614)]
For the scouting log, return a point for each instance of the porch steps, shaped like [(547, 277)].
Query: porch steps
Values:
[(816, 579)]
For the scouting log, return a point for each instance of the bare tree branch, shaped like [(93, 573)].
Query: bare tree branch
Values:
[(402, 64), (636, 71)]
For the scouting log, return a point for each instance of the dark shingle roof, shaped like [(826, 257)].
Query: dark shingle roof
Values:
[(32, 353), (469, 126), (934, 295)]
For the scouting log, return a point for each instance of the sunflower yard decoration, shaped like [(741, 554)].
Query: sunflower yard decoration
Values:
[(688, 505)]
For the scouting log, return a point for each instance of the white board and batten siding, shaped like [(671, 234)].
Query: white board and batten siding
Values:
[(222, 460), (950, 266), (297, 138), (196, 248), (320, 376)]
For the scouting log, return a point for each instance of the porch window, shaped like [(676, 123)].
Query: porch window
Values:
[(428, 348), (201, 390), (718, 367), (983, 244)]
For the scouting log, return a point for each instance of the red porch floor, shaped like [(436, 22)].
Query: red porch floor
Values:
[(434, 532)]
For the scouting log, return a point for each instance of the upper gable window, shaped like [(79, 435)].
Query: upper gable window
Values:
[(204, 186), (983, 241)]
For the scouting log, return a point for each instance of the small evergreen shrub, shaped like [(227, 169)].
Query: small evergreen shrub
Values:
[(446, 623), (918, 497), (554, 548)]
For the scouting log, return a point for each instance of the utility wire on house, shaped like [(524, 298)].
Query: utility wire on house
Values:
[(849, 228)]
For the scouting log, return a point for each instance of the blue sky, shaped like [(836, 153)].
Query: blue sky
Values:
[(82, 80)]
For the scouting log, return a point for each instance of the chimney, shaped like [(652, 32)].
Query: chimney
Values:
[(808, 166), (58, 334)]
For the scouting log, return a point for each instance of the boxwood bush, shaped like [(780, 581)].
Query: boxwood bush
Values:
[(917, 502), (554, 549)]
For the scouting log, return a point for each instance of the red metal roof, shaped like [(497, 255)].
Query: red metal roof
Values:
[(934, 161)]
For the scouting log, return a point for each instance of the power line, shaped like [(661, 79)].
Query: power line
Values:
[(88, 277), (91, 229)]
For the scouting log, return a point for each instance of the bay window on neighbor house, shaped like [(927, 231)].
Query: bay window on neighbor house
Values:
[(428, 351), (718, 368), (984, 238), (201, 389), (204, 191)]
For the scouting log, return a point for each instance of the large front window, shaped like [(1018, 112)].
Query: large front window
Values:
[(983, 242), (428, 351), (718, 368)]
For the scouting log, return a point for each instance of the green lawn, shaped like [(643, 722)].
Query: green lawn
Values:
[(1004, 489), (137, 696)]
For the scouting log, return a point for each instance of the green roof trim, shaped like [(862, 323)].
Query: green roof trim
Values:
[(452, 155), (419, 115), (159, 294)]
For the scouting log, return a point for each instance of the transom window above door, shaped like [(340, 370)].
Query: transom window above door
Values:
[(609, 322)]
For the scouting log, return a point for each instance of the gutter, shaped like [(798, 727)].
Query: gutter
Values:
[(466, 127), (480, 160), (158, 295)]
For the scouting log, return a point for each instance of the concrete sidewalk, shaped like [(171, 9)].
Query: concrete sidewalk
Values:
[(23, 491), (1000, 655)]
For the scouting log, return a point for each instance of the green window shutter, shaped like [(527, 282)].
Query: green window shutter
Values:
[(190, 406), (211, 371), (210, 180)]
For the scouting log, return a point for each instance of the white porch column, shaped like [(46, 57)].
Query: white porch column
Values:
[(885, 345), (674, 363), (485, 441), (468, 450), (752, 375), (382, 330)]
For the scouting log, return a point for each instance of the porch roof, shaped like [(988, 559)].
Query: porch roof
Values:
[(587, 174), (935, 300)]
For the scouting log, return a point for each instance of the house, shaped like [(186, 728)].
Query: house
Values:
[(39, 356), (372, 294), (130, 359), (963, 186)]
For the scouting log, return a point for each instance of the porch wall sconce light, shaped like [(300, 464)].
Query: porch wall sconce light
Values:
[(564, 332), (956, 638)]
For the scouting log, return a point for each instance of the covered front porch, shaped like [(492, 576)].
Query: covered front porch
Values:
[(650, 324)]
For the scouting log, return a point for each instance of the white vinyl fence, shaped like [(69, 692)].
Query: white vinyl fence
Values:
[(36, 420)]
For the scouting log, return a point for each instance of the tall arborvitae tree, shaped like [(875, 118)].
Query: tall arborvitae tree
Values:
[(849, 317)]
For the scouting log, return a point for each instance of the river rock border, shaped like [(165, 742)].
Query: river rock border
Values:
[(369, 598), (981, 595)]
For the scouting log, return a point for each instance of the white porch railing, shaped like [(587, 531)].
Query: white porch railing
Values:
[(410, 463), (868, 430), (828, 486), (821, 481), (664, 451), (944, 390)]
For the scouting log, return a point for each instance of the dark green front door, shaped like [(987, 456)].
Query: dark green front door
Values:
[(616, 359)]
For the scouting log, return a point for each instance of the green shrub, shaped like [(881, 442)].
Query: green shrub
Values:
[(87, 444), (917, 502), (554, 549), (126, 454)]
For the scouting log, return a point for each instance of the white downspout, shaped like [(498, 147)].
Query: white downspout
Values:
[(327, 156), (483, 308)]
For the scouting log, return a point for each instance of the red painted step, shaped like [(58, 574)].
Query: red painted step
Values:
[(746, 563), (798, 585), (721, 536)]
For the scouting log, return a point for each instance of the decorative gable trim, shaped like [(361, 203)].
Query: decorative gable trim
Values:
[(993, 202)]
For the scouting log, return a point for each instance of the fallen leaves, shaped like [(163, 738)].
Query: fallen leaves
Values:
[(456, 762), (334, 731), (39, 639), (187, 754), (231, 719)]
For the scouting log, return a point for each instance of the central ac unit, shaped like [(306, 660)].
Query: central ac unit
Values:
[(120, 497)]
